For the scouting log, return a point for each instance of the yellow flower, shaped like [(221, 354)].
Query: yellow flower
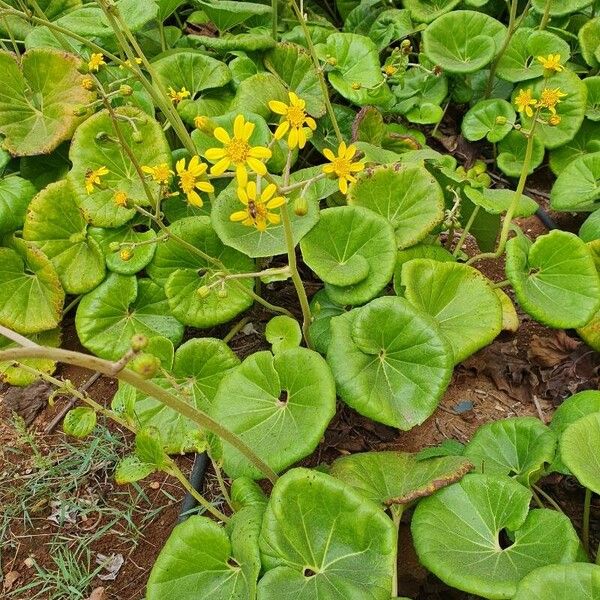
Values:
[(551, 62), (237, 151), (93, 178), (159, 173), (342, 166), (120, 199), (200, 122), (524, 101), (178, 96), (96, 61), (549, 98), (294, 119), (190, 180), (87, 83), (554, 120), (390, 70), (256, 214), (129, 64)]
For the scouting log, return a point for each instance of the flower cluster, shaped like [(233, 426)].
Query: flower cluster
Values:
[(549, 99), (177, 96)]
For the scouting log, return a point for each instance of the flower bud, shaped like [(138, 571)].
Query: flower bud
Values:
[(114, 246), (80, 111), (479, 167), (300, 206), (331, 60), (146, 365), (138, 342), (501, 120), (83, 69), (126, 254), (554, 120), (87, 83), (125, 90), (406, 47), (204, 124), (356, 85), (222, 293), (203, 291)]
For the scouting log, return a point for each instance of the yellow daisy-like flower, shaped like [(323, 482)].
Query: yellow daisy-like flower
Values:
[(342, 166), (551, 62), (159, 173), (178, 96), (96, 61), (390, 70), (120, 199), (129, 64), (524, 101), (237, 151), (190, 180), (294, 120), (87, 83), (256, 214), (549, 98), (93, 178)]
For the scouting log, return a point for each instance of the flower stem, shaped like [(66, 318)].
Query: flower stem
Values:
[(465, 231), (546, 15), (396, 511), (585, 533), (275, 16)]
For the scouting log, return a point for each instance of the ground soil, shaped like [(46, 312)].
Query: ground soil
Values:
[(526, 373)]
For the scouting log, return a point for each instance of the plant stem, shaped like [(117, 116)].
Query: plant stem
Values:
[(545, 16), (548, 498), (148, 387), (317, 64), (511, 29), (275, 16), (465, 231), (221, 482), (515, 200), (174, 470), (585, 533), (396, 511)]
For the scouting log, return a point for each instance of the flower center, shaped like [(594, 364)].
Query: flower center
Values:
[(296, 116), (187, 181), (341, 166), (238, 150), (162, 173)]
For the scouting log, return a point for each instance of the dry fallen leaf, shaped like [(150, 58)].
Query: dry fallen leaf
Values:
[(97, 594), (29, 562), (154, 485), (111, 564), (551, 351), (10, 579)]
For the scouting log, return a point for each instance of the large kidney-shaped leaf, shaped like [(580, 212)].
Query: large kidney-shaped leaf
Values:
[(571, 410), (476, 39), (279, 405), (390, 361), (482, 120), (226, 14), (590, 42), (555, 279), (322, 539), (56, 225), (39, 95), (32, 297), (479, 535), (398, 477), (511, 154), (183, 273), (577, 580), (557, 8), (200, 559), (430, 251), (199, 366), (571, 109), (460, 299), (353, 251), (579, 450), (95, 144), (407, 196), (15, 195), (586, 141), (426, 11), (498, 201), (520, 447), (122, 306), (578, 185), (356, 74), (322, 309)]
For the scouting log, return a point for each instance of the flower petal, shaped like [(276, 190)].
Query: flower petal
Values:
[(248, 130), (242, 195), (214, 154), (343, 185), (293, 138), (257, 166), (350, 152), (329, 155), (268, 192), (220, 167), (180, 166), (311, 123), (342, 149), (260, 152), (278, 107), (205, 186), (194, 199), (276, 202), (281, 129), (238, 126), (328, 169), (301, 138), (220, 134), (238, 215), (241, 174), (251, 189), (273, 218)]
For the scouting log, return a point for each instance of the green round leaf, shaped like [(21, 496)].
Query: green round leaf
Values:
[(391, 26), (95, 145), (511, 154), (586, 141), (390, 361), (560, 7), (279, 405), (578, 580), (554, 279), (190, 69), (398, 477), (571, 109), (579, 450), (322, 309), (407, 196), (199, 366), (520, 447), (226, 14), (356, 74), (15, 195), (40, 93), (54, 223), (122, 306), (460, 299), (283, 333), (131, 469), (590, 228), (293, 65), (476, 39), (183, 273), (430, 251), (571, 410), (519, 61), (589, 42), (498, 201), (79, 422), (482, 120), (322, 539), (578, 185), (254, 94), (15, 375), (353, 251), (43, 169), (420, 88), (464, 524), (32, 297), (126, 235), (425, 11), (592, 110), (590, 332)]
